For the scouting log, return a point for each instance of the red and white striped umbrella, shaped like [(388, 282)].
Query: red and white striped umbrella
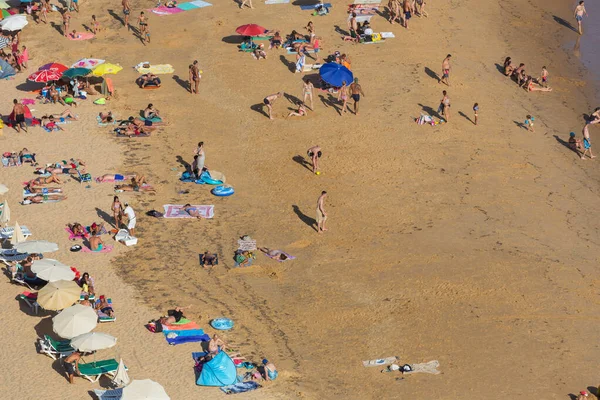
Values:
[(45, 75)]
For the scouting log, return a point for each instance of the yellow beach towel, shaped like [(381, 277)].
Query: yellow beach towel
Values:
[(157, 69)]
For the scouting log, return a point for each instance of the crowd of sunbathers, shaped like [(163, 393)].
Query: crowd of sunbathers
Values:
[(136, 126), (527, 82)]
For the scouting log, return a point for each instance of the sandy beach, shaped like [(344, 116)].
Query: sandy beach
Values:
[(473, 245)]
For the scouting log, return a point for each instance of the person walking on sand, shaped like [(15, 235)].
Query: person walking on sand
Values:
[(131, 219), (587, 144), (444, 108), (356, 91), (194, 77), (407, 9), (446, 70), (246, 2), (307, 92), (270, 100), (142, 23), (66, 19), (95, 25), (475, 112), (19, 113), (315, 153), (343, 97), (544, 76), (529, 123), (578, 14), (321, 214), (126, 12)]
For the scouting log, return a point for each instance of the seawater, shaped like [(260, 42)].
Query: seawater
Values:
[(587, 46)]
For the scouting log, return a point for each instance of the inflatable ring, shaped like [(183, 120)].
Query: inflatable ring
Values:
[(222, 324), (223, 191)]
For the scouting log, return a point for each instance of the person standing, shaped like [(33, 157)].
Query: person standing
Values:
[(194, 77), (315, 153), (19, 115), (307, 92), (117, 210), (343, 97), (587, 144), (476, 112), (578, 14), (444, 108), (321, 214), (356, 91), (142, 23), (270, 100), (446, 70), (246, 2), (71, 363), (201, 157), (407, 9), (66, 19), (126, 12), (131, 219)]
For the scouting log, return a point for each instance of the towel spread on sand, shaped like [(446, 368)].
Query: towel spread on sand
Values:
[(240, 387), (276, 255), (80, 36), (156, 69), (177, 211), (192, 5), (277, 1), (313, 6), (380, 361), (105, 249), (428, 368)]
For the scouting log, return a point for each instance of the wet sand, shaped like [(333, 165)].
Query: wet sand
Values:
[(471, 245)]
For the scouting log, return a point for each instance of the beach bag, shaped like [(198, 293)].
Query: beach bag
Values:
[(376, 37), (406, 368)]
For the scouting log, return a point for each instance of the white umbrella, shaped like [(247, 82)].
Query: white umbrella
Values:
[(144, 390), (74, 321), (36, 246), (5, 215), (93, 341), (88, 63), (58, 295), (17, 236), (52, 270), (121, 377), (14, 22), (3, 188)]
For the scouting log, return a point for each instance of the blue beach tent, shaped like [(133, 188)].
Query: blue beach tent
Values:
[(220, 371)]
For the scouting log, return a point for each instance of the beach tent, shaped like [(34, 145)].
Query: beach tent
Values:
[(220, 371), (6, 70)]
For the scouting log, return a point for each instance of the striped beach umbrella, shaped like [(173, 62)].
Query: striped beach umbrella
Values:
[(44, 76)]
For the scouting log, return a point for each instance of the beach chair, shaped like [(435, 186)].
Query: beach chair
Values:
[(84, 177), (248, 47), (54, 349), (94, 370), (30, 299), (103, 317), (6, 233), (113, 394)]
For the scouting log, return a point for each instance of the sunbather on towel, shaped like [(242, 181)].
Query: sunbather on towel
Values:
[(30, 189), (64, 170), (192, 211), (87, 283), (215, 345), (71, 364), (209, 259), (44, 180), (27, 156), (275, 254), (276, 41), (148, 79), (104, 306), (96, 243), (42, 198), (50, 124), (174, 316), (77, 229), (96, 229), (106, 118), (151, 112), (259, 52), (67, 115), (136, 185), (114, 177)]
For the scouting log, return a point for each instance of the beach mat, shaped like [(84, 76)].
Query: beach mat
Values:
[(187, 339), (380, 361), (277, 1), (182, 327), (105, 249), (313, 6), (240, 387), (162, 10), (191, 332), (157, 69), (177, 211)]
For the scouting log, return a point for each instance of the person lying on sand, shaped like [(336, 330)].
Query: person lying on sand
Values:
[(174, 316), (114, 177), (49, 123), (77, 229), (148, 79), (41, 198), (104, 307), (31, 189), (192, 211), (136, 185), (106, 117), (64, 170), (44, 180), (534, 87), (67, 115), (259, 53), (96, 243), (209, 259), (595, 116), (301, 112), (276, 41), (96, 229), (25, 156), (275, 254)]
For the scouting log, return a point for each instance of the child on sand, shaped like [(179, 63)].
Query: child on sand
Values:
[(95, 25), (544, 76), (475, 110), (529, 123)]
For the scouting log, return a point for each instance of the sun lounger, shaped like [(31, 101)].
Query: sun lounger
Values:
[(94, 370), (12, 255), (113, 394), (291, 51), (30, 299), (6, 233), (104, 317), (54, 349)]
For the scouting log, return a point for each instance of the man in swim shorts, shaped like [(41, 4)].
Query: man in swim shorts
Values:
[(19, 115), (587, 144), (446, 70), (126, 12), (321, 214), (70, 364), (407, 8), (315, 153), (194, 77), (96, 243), (269, 100), (356, 91), (579, 13)]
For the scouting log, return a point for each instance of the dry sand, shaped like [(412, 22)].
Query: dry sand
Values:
[(475, 246)]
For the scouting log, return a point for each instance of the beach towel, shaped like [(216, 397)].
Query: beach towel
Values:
[(380, 361), (100, 123), (276, 257), (187, 339), (156, 69), (105, 249), (177, 211), (428, 368), (240, 387), (300, 63), (198, 4), (190, 332), (73, 236), (277, 1), (387, 35), (163, 10), (291, 51), (26, 102), (80, 36), (133, 136), (124, 178), (313, 6), (181, 327), (311, 67)]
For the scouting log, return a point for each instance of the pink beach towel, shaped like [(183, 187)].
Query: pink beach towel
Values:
[(105, 249), (163, 10), (177, 211), (73, 236), (27, 101), (80, 36)]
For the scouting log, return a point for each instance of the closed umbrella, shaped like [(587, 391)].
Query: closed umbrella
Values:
[(250, 30), (5, 214), (144, 390), (74, 321), (76, 72), (17, 236), (335, 74), (106, 68), (45, 75), (58, 295), (93, 341), (36, 246), (87, 63), (121, 377), (13, 23), (3, 188), (51, 270)]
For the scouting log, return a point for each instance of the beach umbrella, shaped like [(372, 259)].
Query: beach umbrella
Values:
[(5, 214), (121, 377), (45, 75), (53, 67), (76, 72), (51, 270), (6, 69), (4, 42), (14, 22), (4, 13), (4, 4), (335, 74), (145, 389), (58, 295), (36, 246), (250, 30), (87, 63), (17, 236), (93, 341), (106, 68), (75, 321)]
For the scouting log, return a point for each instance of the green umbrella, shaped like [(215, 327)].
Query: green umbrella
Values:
[(75, 72)]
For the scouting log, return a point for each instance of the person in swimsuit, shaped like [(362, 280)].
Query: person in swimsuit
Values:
[(19, 115), (353, 27), (192, 211), (151, 112), (42, 198), (44, 180), (276, 40), (594, 116), (578, 14), (587, 143), (95, 25), (270, 100), (356, 91), (314, 153), (136, 185), (96, 243), (446, 70), (246, 2), (66, 19), (321, 214), (343, 97), (270, 372), (300, 112), (544, 76), (44, 12), (71, 363), (475, 112), (173, 316), (77, 229), (575, 144), (126, 12), (117, 209), (308, 91), (200, 160), (532, 87), (87, 283), (444, 108), (215, 345), (194, 77), (106, 118), (104, 306), (407, 8), (508, 67)]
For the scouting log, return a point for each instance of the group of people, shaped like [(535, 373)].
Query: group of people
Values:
[(527, 82), (402, 11), (17, 57)]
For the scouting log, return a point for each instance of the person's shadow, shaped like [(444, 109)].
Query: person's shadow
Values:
[(181, 82), (116, 17), (500, 68), (566, 144), (184, 164), (259, 108), (305, 218), (292, 99), (429, 110), (302, 161), (341, 31), (564, 23), (289, 64), (462, 114), (59, 28), (431, 74), (104, 215), (329, 102), (521, 125)]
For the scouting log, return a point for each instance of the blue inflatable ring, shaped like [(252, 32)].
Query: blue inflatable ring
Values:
[(223, 191), (222, 324)]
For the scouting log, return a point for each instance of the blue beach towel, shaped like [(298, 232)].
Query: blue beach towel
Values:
[(191, 332), (187, 339), (313, 6), (240, 387)]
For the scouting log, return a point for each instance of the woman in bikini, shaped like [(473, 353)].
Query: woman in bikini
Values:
[(343, 97), (533, 87), (117, 210), (44, 180), (192, 211), (307, 91), (95, 25)]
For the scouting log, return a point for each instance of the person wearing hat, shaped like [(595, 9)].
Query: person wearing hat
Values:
[(574, 143), (356, 91), (270, 372), (131, 219), (583, 395)]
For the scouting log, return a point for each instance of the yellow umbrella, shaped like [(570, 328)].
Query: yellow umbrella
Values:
[(58, 295), (106, 68)]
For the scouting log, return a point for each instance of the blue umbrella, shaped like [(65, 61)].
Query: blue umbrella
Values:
[(6, 70), (335, 74)]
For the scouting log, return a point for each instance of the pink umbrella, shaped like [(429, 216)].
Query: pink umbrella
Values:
[(45, 75), (54, 67)]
